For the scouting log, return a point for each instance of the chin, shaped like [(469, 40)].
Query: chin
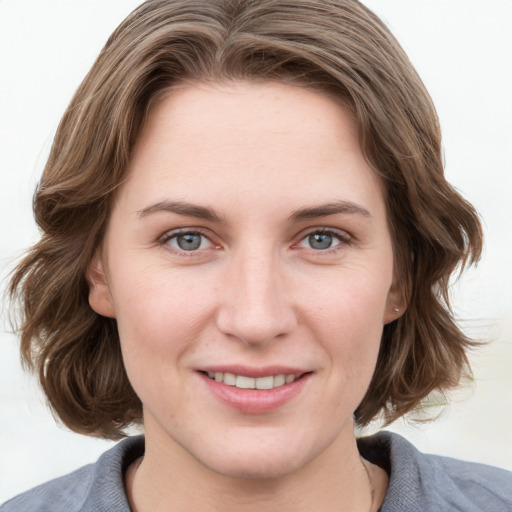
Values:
[(270, 467), (252, 459)]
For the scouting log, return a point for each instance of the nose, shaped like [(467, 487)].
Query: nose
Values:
[(256, 305)]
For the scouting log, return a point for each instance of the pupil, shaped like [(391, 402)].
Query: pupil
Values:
[(320, 240), (189, 241)]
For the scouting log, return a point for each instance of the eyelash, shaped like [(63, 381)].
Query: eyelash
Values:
[(165, 239), (343, 238)]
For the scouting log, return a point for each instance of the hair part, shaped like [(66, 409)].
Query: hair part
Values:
[(337, 47)]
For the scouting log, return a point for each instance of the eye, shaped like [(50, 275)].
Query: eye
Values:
[(188, 241), (323, 240)]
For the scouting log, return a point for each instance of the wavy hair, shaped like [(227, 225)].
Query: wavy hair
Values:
[(335, 46)]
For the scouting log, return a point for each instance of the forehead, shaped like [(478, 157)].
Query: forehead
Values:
[(251, 112), (252, 140)]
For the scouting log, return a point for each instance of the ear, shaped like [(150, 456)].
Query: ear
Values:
[(396, 304), (100, 298)]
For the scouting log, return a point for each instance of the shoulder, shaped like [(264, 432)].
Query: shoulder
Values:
[(430, 483), (95, 487), (64, 493), (467, 486)]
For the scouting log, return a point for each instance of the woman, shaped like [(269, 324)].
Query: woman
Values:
[(247, 238)]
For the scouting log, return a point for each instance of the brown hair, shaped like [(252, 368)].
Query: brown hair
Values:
[(337, 46)]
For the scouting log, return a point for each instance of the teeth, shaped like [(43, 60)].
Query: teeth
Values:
[(243, 382), (265, 382), (279, 380), (230, 379)]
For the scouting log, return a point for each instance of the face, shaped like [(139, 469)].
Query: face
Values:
[(249, 265)]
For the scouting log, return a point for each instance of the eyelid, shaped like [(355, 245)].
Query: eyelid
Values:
[(344, 238), (173, 233)]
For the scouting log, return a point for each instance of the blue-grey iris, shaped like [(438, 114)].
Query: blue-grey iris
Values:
[(320, 240), (189, 241)]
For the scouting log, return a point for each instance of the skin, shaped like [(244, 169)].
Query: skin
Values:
[(257, 292)]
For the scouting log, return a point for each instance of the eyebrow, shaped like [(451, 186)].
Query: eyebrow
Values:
[(205, 213), (346, 207), (181, 208)]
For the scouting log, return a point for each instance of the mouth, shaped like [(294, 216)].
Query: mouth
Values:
[(255, 390), (244, 382)]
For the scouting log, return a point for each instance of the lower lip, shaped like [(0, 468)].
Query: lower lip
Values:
[(255, 401)]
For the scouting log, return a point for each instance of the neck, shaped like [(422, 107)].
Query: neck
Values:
[(336, 480)]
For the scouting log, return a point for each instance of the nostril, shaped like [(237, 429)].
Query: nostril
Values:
[(256, 327)]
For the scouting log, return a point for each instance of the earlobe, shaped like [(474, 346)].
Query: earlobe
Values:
[(395, 304), (393, 313), (100, 298)]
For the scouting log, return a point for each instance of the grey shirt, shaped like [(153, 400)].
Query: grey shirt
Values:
[(418, 482)]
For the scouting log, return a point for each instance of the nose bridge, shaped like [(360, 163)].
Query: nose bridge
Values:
[(257, 307)]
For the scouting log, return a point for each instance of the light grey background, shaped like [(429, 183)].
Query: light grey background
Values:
[(463, 51)]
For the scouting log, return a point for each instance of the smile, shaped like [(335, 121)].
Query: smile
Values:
[(243, 382), (255, 390)]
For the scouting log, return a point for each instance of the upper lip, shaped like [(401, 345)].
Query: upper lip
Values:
[(250, 371)]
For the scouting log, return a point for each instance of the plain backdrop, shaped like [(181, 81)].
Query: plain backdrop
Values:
[(463, 51)]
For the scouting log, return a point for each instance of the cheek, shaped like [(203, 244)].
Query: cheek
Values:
[(158, 315), (160, 321), (347, 318), (348, 300)]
